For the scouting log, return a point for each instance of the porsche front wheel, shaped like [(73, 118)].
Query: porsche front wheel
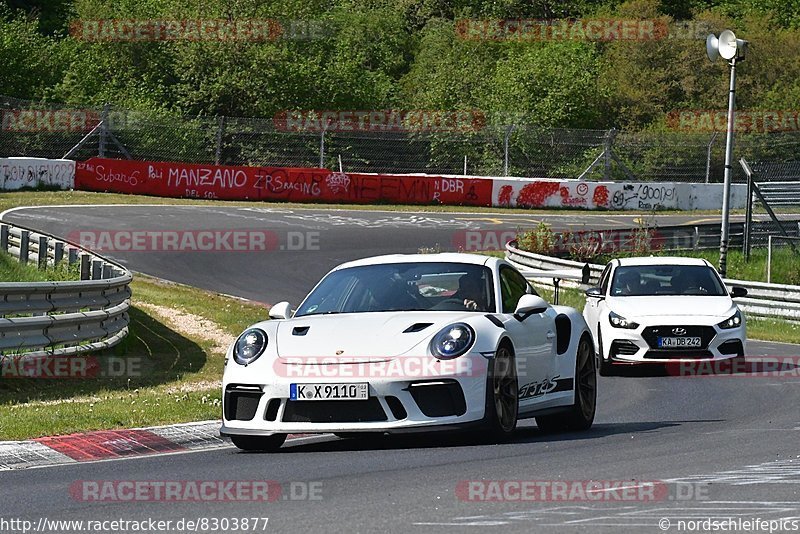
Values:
[(502, 396)]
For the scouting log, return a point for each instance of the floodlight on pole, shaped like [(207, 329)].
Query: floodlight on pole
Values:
[(731, 49)]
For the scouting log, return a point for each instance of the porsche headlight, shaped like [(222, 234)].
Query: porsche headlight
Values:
[(250, 346), (731, 322), (452, 341), (618, 321)]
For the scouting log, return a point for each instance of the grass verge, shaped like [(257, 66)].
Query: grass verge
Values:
[(167, 370), (784, 266), (11, 270)]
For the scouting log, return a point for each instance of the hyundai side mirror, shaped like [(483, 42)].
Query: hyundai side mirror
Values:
[(594, 292), (738, 291)]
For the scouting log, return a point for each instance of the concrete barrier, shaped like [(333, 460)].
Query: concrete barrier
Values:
[(17, 173), (175, 179), (546, 193)]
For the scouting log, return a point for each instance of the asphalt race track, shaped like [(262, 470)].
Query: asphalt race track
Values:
[(724, 446)]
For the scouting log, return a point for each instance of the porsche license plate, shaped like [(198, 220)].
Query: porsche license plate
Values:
[(312, 392), (678, 342)]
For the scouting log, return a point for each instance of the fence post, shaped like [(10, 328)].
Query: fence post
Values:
[(4, 237), (24, 245), (769, 258), (509, 129), (101, 150), (107, 271), (322, 148), (72, 256), (608, 154), (220, 136), (708, 156), (58, 252), (97, 269), (42, 252), (84, 267), (748, 218)]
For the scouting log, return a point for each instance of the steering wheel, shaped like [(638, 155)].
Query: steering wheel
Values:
[(447, 305)]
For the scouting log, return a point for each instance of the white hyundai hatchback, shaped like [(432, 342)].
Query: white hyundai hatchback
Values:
[(663, 309)]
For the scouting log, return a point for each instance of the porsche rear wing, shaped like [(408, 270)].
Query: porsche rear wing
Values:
[(581, 275)]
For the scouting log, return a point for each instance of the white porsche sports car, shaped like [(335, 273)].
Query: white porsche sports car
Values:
[(411, 343), (663, 309)]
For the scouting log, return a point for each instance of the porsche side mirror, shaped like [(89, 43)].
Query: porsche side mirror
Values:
[(594, 292), (528, 305), (281, 310), (738, 291)]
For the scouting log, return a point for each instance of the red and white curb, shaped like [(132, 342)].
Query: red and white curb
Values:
[(111, 444)]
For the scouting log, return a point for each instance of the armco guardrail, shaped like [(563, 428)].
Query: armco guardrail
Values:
[(61, 318), (762, 300), (781, 193)]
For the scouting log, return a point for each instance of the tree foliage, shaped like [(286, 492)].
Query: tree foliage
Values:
[(405, 54)]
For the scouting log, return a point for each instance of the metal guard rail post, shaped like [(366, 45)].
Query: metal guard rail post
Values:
[(61, 318)]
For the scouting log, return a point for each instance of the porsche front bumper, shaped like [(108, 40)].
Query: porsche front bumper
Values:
[(395, 404)]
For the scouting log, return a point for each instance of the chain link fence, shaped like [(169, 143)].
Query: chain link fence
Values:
[(498, 148)]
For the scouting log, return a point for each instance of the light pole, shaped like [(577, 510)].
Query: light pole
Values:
[(731, 49)]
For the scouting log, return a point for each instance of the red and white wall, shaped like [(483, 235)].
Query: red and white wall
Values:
[(301, 184)]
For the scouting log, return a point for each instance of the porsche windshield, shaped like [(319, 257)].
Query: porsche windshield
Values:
[(650, 280), (403, 287)]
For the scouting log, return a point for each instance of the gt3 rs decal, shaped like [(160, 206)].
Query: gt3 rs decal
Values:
[(548, 385)]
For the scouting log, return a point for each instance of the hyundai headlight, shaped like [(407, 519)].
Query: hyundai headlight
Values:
[(733, 321), (452, 341), (250, 346), (618, 321)]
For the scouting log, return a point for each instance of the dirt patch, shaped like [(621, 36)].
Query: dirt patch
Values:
[(192, 325)]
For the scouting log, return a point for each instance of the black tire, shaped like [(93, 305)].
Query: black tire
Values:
[(502, 397), (580, 415), (605, 367), (259, 443)]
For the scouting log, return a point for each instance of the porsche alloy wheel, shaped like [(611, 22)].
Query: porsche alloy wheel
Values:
[(502, 406), (580, 415)]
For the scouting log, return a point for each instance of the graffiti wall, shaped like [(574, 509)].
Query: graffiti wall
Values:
[(277, 183), (521, 193), (322, 185), (17, 173)]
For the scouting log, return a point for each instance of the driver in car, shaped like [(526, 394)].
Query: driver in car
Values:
[(628, 283), (470, 292)]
